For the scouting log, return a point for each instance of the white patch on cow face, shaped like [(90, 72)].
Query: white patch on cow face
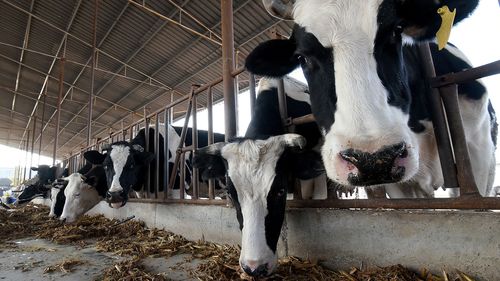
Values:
[(251, 167), (363, 118), (53, 198), (80, 197), (119, 155)]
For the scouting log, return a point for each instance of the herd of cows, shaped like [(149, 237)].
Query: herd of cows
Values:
[(367, 91)]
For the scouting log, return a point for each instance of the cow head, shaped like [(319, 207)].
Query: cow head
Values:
[(83, 192), (258, 176), (125, 166), (351, 54)]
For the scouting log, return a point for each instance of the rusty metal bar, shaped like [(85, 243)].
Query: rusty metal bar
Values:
[(282, 103), (309, 118), (439, 122), (146, 149), (26, 146), (211, 182), (467, 75), (466, 202), (181, 143), (58, 116), (216, 202), (194, 136), (41, 126), (466, 181), (227, 68), (253, 96), (166, 148), (157, 155), (32, 144), (92, 72), (182, 188)]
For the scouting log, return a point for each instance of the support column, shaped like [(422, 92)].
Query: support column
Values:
[(41, 125), (227, 69), (58, 115), (32, 145), (92, 74)]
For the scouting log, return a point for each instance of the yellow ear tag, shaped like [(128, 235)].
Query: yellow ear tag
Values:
[(447, 18)]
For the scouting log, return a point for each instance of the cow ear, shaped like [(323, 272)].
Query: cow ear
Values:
[(209, 162), (94, 157), (274, 58), (420, 18), (307, 164)]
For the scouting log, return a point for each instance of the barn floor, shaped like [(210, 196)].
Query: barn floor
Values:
[(30, 259), (33, 247)]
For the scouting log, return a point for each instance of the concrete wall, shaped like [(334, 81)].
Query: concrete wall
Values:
[(465, 240)]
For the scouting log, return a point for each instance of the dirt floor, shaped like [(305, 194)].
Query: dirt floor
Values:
[(33, 247)]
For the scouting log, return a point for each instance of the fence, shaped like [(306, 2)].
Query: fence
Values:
[(453, 155)]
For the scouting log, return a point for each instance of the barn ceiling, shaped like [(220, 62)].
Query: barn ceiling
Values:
[(144, 59)]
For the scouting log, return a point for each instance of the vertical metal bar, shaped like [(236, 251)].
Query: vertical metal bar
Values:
[(182, 176), (26, 148), (42, 124), (157, 155), (147, 148), (211, 182), (181, 142), (466, 181), (194, 132), (439, 122), (92, 73), (227, 68), (251, 86), (282, 103), (58, 116), (32, 145), (166, 148)]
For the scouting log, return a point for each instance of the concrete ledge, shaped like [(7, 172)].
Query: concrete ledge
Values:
[(465, 240)]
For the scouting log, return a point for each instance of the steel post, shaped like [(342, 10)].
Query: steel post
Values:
[(227, 68), (251, 86), (92, 72), (58, 116), (32, 144), (194, 132)]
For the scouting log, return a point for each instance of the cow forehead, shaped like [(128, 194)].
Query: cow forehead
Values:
[(119, 154), (252, 166), (74, 183), (339, 22)]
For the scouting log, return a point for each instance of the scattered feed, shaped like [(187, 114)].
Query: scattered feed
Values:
[(133, 239)]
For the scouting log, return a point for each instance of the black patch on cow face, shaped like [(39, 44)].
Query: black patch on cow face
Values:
[(389, 57), (276, 200), (316, 62), (233, 195), (60, 200)]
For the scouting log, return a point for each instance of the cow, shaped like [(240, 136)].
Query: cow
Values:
[(369, 91), (57, 196), (126, 162), (39, 186), (83, 192), (259, 169)]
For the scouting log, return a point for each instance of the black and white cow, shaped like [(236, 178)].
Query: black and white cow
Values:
[(57, 196), (83, 191), (126, 162), (259, 169), (39, 186), (368, 90)]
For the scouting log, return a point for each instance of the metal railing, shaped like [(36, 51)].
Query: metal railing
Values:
[(453, 155)]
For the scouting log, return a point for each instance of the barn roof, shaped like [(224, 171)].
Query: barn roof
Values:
[(144, 59)]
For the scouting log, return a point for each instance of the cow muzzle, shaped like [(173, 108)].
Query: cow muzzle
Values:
[(116, 199), (256, 268), (386, 165)]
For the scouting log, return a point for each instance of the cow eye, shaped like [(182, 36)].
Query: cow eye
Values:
[(77, 195), (281, 192)]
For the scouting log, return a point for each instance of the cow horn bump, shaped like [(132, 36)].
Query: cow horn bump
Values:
[(282, 9)]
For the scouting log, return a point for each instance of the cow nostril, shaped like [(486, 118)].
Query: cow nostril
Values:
[(350, 156)]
